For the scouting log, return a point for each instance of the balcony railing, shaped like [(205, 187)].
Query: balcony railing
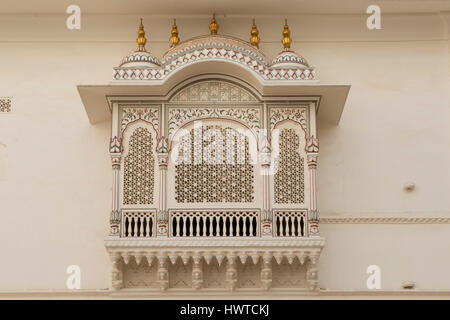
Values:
[(138, 224), (289, 223), (214, 223)]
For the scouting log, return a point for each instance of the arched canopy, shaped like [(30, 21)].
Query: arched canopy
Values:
[(215, 57)]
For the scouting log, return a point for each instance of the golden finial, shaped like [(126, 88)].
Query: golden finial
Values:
[(254, 39), (174, 40), (213, 26), (286, 41), (141, 40)]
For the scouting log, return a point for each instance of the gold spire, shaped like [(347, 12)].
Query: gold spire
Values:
[(254, 39), (213, 26), (141, 40), (174, 40), (286, 41)]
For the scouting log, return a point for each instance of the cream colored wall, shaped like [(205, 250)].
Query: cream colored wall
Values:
[(55, 193)]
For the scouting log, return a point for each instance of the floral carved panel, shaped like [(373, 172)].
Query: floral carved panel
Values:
[(296, 114), (180, 115), (132, 114), (213, 91)]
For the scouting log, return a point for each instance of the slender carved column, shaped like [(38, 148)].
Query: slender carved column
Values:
[(312, 273), (197, 272), (266, 271), (163, 160), (231, 275), (116, 273), (265, 159), (115, 150), (312, 149), (163, 272)]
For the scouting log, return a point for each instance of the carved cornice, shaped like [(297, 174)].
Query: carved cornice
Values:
[(225, 244), (166, 253)]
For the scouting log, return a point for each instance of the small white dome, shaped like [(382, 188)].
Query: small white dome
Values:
[(289, 59), (140, 59)]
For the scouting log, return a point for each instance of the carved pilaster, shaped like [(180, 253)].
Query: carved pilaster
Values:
[(163, 161), (266, 160), (312, 149), (266, 272), (231, 273), (116, 271), (115, 149), (163, 273), (197, 272)]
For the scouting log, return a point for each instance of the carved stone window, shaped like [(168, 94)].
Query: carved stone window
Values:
[(214, 166), (289, 178), (139, 169)]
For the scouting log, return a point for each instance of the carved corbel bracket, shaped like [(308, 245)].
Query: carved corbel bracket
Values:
[(231, 272), (197, 272), (266, 272), (312, 273), (116, 271), (163, 272)]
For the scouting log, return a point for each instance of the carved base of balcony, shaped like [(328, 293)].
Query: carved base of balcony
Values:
[(174, 264)]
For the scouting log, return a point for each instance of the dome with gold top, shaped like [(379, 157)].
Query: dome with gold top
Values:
[(141, 57), (288, 58), (214, 52)]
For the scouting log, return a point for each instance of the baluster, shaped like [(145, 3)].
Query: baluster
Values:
[(281, 226), (299, 225), (238, 228), (184, 225), (130, 221), (191, 228), (250, 218), (204, 223), (231, 226), (141, 231), (210, 225), (244, 225), (217, 226)]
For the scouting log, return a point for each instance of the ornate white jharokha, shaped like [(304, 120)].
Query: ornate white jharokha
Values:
[(221, 226)]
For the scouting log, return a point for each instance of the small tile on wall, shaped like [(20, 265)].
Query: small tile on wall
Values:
[(5, 104)]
